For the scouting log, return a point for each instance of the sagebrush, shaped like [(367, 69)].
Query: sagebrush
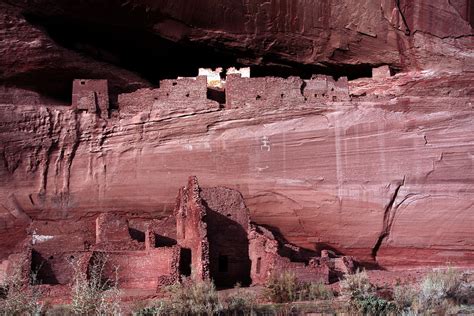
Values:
[(19, 293), (286, 287), (92, 293)]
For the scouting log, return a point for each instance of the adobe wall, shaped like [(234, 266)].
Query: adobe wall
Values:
[(267, 260), (163, 232), (191, 229), (91, 95), (281, 92), (325, 89), (111, 227), (181, 95), (227, 229), (146, 270), (55, 244), (262, 92)]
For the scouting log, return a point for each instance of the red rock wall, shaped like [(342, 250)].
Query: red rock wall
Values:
[(387, 175)]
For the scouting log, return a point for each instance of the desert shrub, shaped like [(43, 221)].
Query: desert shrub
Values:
[(363, 296), (286, 287), (441, 292), (20, 295), (92, 293), (59, 310), (440, 285), (372, 305), (312, 291), (193, 298), (282, 288), (157, 308), (357, 285), (240, 302), (404, 296)]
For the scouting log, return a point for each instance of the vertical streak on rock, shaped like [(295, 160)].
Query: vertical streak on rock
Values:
[(407, 30), (388, 217), (74, 134), (339, 166), (44, 156)]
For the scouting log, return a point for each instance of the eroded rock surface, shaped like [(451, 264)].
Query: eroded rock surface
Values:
[(385, 176), (378, 168)]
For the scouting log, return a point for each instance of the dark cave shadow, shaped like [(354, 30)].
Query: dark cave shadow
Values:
[(229, 260)]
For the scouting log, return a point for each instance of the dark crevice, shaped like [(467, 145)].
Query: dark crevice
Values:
[(407, 31), (387, 220)]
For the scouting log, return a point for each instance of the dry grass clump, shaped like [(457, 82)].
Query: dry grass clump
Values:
[(286, 287), (18, 293), (357, 285), (404, 296), (362, 295), (442, 292), (194, 298), (92, 293), (187, 297), (240, 302)]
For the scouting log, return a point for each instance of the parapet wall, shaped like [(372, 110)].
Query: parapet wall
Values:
[(91, 95), (273, 91), (173, 96), (269, 91), (147, 270), (186, 95)]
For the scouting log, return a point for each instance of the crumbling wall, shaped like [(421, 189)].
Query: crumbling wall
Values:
[(145, 270), (113, 233), (177, 96), (281, 92), (227, 229), (54, 245), (91, 95), (162, 233), (324, 88), (262, 92), (191, 228), (266, 261)]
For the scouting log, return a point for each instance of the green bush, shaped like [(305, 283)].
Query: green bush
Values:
[(440, 285), (372, 305), (363, 296)]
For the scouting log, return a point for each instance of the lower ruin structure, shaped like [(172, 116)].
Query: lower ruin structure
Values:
[(209, 236)]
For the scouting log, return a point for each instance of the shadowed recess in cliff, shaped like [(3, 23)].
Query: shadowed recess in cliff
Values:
[(153, 58)]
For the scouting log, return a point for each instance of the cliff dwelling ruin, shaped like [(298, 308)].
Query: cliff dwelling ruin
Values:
[(209, 236), (327, 136)]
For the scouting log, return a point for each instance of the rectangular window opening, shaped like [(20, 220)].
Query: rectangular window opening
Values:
[(259, 265)]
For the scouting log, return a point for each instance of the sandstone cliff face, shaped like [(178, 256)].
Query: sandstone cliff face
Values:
[(385, 176)]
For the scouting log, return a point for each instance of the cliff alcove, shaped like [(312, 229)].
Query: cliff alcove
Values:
[(324, 134)]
